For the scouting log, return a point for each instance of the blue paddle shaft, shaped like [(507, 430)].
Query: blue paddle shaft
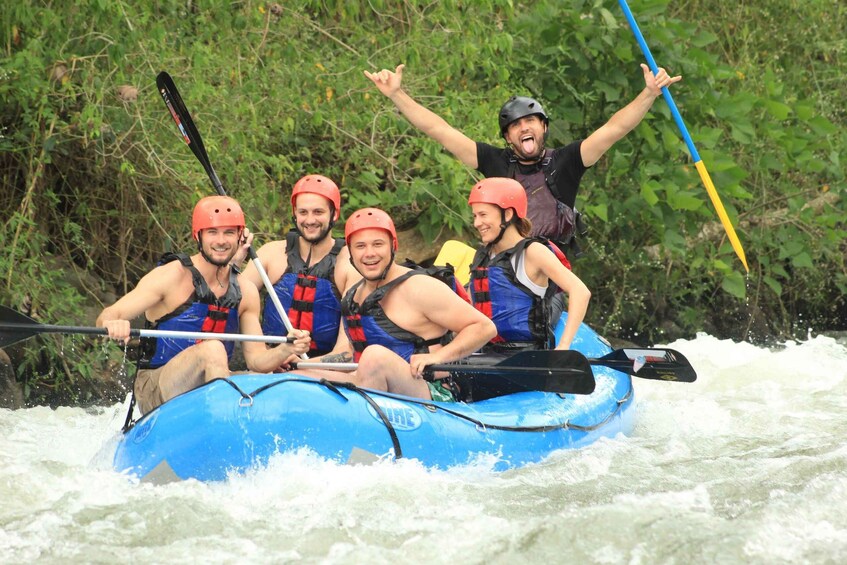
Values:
[(651, 62)]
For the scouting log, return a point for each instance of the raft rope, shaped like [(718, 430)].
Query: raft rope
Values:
[(428, 405), (333, 386)]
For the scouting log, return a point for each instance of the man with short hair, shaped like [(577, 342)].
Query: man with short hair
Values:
[(309, 269), (201, 293), (400, 320)]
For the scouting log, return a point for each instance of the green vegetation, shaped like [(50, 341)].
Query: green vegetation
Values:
[(96, 183)]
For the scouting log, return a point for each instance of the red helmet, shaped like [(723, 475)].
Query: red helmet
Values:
[(502, 192), (320, 185), (370, 218), (216, 212)]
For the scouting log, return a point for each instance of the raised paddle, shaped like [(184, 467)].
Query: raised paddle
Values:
[(680, 124), (652, 363), (15, 327), (179, 113)]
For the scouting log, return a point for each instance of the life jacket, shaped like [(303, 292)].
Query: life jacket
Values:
[(520, 315), (445, 274), (201, 312), (551, 218), (309, 295), (367, 324)]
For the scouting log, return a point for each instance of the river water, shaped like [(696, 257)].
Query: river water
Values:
[(747, 465)]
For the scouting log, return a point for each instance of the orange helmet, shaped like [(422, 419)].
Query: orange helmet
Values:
[(502, 192), (320, 185), (367, 218), (215, 212)]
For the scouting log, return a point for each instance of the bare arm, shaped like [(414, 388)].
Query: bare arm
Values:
[(542, 263), (433, 125), (274, 260), (258, 356), (627, 118), (444, 308), (342, 352), (149, 292)]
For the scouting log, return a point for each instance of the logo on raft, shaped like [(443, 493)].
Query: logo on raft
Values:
[(144, 427), (401, 416)]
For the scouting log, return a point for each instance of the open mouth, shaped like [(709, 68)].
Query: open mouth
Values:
[(528, 144)]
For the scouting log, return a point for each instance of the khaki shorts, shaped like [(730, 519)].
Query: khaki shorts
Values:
[(147, 392)]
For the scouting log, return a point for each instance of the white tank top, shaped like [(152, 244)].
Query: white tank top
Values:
[(518, 264)]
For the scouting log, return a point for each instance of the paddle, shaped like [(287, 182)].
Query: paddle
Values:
[(650, 363), (646, 363), (179, 112), (695, 156), (15, 327), (546, 371)]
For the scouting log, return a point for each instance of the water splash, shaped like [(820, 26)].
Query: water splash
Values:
[(747, 464)]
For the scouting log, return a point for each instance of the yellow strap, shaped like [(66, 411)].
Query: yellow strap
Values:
[(460, 256)]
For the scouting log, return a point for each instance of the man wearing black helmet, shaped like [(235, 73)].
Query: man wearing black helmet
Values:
[(551, 177)]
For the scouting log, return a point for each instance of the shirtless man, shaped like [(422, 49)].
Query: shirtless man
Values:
[(309, 270), (398, 320), (197, 293)]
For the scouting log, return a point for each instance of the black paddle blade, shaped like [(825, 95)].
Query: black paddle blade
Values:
[(566, 371), (650, 363), (167, 89), (14, 327), (546, 371), (180, 114)]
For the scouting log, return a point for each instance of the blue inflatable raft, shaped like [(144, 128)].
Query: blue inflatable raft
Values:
[(231, 425)]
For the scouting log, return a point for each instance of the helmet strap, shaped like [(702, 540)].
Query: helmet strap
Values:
[(503, 225), (384, 274)]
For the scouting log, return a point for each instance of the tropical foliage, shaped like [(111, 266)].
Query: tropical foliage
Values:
[(96, 183)]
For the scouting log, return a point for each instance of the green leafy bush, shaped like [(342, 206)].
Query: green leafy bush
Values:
[(96, 182)]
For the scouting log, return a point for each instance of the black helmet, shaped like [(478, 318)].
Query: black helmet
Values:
[(518, 107)]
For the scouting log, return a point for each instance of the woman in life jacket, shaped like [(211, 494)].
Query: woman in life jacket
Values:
[(511, 272)]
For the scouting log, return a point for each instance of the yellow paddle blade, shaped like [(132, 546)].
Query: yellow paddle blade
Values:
[(716, 202), (460, 256)]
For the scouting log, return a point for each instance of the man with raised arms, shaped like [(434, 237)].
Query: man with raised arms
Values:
[(551, 177), (197, 293)]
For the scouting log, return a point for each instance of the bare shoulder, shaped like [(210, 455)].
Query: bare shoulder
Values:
[(345, 274), (249, 292), (424, 287), (538, 250), (166, 276), (272, 250)]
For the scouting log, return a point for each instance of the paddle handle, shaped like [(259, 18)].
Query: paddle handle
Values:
[(456, 367), (43, 328)]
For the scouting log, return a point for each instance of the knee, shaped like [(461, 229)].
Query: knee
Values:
[(373, 363), (213, 353), (374, 356)]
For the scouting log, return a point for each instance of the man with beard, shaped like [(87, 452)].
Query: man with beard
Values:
[(197, 293), (551, 177), (309, 269), (400, 320)]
